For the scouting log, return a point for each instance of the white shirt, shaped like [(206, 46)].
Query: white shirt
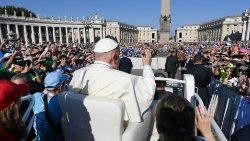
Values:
[(99, 79), (234, 81)]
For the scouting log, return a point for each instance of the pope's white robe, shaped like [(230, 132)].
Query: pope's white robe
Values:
[(99, 79)]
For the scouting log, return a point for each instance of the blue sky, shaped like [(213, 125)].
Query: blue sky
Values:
[(136, 12)]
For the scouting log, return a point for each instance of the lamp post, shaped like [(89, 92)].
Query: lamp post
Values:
[(88, 23), (92, 24), (246, 25)]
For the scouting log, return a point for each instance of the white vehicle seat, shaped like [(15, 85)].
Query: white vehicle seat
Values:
[(89, 118)]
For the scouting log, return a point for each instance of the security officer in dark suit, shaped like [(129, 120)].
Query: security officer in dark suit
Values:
[(171, 65), (125, 64), (202, 77)]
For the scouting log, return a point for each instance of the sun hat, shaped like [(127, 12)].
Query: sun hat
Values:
[(54, 80), (10, 92), (105, 45)]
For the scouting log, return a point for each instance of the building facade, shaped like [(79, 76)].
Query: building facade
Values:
[(246, 25), (221, 29), (188, 33), (63, 30), (124, 33), (147, 34)]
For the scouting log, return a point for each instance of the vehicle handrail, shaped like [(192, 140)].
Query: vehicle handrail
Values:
[(169, 79), (28, 111), (219, 134)]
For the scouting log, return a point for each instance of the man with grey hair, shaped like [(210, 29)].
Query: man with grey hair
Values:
[(21, 78), (104, 79)]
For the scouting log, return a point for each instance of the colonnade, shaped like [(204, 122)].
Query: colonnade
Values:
[(35, 33)]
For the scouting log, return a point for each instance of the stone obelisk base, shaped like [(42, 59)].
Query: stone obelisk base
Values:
[(164, 37)]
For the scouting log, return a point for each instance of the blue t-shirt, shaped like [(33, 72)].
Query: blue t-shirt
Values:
[(43, 130), (2, 52)]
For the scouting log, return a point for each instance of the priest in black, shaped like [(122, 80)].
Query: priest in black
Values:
[(202, 77), (171, 65)]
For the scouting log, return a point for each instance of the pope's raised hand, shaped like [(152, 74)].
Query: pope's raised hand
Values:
[(146, 57)]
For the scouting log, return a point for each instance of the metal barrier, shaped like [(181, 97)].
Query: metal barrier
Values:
[(28, 112), (226, 111), (191, 96)]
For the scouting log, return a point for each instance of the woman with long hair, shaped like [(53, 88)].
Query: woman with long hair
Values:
[(11, 125)]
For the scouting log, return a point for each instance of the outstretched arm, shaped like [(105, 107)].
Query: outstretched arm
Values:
[(44, 52), (146, 60), (2, 44), (11, 59)]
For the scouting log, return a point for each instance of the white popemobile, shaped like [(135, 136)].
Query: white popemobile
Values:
[(84, 117)]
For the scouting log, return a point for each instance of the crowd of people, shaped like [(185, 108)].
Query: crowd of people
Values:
[(47, 69), (229, 63)]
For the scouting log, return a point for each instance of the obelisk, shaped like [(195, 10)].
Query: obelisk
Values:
[(165, 20)]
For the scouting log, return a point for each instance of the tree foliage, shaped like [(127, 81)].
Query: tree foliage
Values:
[(11, 9)]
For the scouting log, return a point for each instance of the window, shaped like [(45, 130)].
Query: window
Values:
[(153, 35), (180, 35)]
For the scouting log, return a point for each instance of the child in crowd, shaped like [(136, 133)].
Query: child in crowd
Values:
[(47, 110)]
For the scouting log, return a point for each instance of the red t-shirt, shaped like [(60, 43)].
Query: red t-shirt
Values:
[(7, 136)]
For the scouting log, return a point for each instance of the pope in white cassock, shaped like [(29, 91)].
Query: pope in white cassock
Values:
[(104, 79)]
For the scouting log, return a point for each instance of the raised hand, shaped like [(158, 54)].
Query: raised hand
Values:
[(146, 57)]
